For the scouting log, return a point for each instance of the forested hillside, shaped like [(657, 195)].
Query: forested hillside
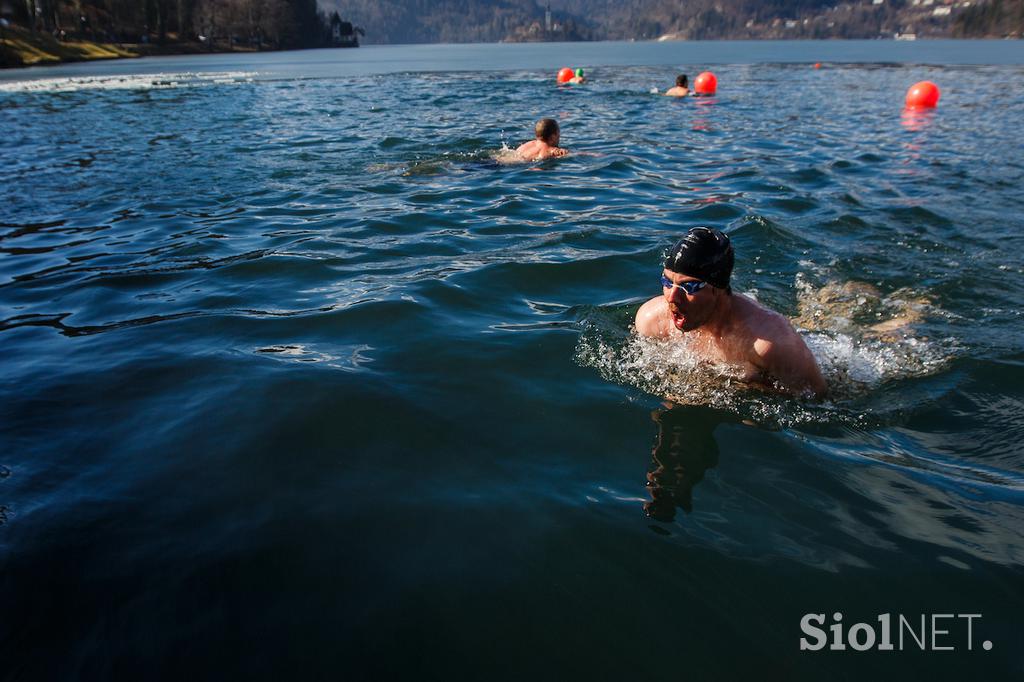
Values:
[(255, 24), (186, 25), (417, 21), (453, 21), (993, 19)]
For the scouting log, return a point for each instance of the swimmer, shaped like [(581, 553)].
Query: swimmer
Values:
[(724, 328), (546, 144), (578, 77), (682, 88)]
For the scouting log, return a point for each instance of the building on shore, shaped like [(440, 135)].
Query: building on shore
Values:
[(343, 33)]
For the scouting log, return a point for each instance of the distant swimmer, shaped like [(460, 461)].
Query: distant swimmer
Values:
[(682, 88), (578, 77), (546, 144), (697, 301)]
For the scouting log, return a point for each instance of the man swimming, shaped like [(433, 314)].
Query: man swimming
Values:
[(546, 144), (682, 88), (724, 328)]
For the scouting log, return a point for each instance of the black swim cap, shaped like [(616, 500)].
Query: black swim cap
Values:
[(703, 253)]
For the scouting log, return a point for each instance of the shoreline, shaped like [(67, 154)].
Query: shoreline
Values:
[(20, 48)]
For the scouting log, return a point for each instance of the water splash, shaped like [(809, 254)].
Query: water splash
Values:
[(155, 81), (864, 338), (507, 155)]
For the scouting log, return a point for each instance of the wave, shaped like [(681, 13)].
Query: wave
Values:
[(158, 81)]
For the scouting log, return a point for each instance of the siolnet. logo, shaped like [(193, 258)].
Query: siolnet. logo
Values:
[(926, 632)]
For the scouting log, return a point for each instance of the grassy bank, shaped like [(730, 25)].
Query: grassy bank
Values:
[(20, 47)]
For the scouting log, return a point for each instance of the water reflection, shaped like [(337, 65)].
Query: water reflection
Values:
[(703, 122), (917, 119), (684, 449)]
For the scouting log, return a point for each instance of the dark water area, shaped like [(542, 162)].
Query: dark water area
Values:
[(301, 380)]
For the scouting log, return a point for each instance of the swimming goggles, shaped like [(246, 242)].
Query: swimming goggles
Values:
[(689, 287)]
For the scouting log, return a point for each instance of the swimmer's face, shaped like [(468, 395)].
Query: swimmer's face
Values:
[(688, 311)]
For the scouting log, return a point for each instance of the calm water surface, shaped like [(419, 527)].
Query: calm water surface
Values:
[(300, 382)]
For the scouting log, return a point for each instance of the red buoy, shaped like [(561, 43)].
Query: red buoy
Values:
[(705, 84), (817, 65), (923, 95), (565, 75)]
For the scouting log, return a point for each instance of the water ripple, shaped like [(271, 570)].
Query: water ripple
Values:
[(331, 203)]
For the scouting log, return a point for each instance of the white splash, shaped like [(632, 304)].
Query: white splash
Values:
[(507, 156), (154, 81)]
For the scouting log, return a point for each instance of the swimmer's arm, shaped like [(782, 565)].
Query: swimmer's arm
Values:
[(792, 364)]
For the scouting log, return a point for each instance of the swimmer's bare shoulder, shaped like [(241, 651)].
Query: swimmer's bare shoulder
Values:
[(776, 348), (529, 150), (549, 152), (653, 320), (535, 150)]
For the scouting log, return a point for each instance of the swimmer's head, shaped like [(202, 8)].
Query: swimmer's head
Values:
[(579, 73), (682, 81), (547, 131), (705, 254)]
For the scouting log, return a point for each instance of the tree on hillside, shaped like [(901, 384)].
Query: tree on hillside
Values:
[(992, 19)]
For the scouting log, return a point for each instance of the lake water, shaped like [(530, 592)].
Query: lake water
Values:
[(298, 382)]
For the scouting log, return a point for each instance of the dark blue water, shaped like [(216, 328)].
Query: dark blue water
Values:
[(300, 382)]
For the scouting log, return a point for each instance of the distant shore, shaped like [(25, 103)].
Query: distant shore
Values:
[(20, 48)]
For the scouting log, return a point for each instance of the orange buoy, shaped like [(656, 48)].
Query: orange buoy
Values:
[(817, 65), (923, 95), (565, 75), (705, 84)]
